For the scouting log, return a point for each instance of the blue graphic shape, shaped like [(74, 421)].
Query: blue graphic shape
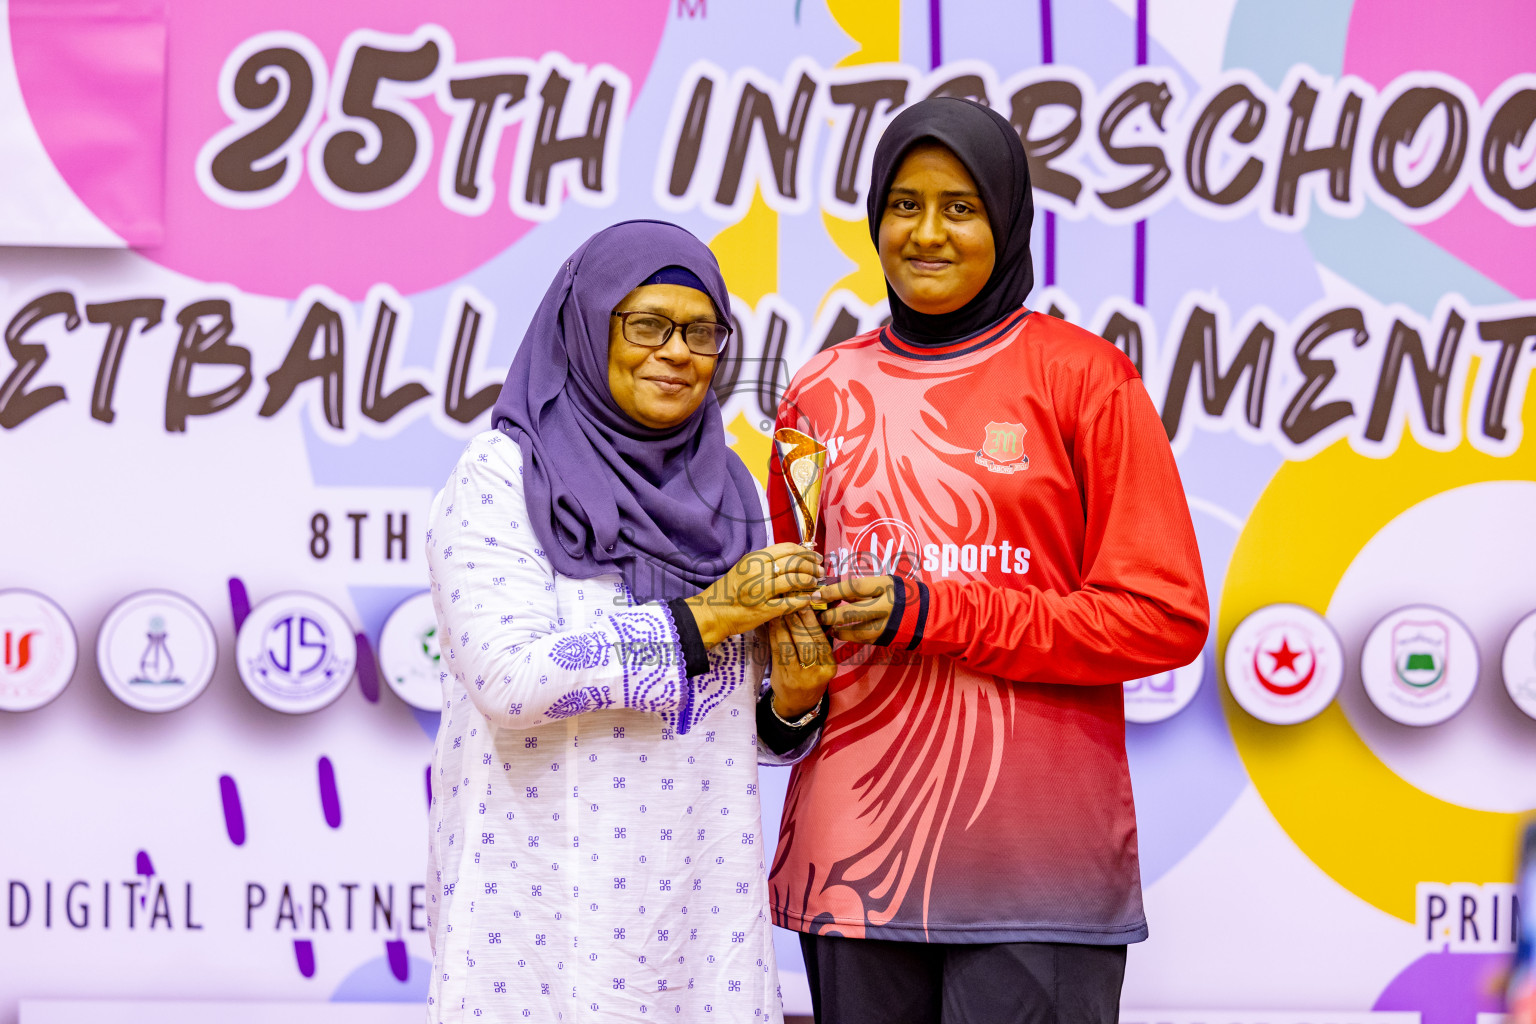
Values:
[(1394, 263), (1268, 38), (1374, 251), (375, 982), (1185, 772)]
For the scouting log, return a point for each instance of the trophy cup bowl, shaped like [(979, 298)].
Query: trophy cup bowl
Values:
[(803, 462)]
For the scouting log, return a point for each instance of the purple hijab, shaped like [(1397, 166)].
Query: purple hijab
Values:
[(671, 510)]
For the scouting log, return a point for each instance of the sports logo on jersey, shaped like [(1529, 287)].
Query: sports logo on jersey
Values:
[(1002, 450), (1419, 665), (1284, 664), (886, 547), (37, 650)]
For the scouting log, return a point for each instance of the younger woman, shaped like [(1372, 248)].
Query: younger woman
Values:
[(1015, 544)]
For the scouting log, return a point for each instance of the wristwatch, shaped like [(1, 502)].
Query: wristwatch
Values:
[(804, 720)]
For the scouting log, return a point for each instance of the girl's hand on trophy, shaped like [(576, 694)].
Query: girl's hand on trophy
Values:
[(802, 663), (858, 607), (764, 585)]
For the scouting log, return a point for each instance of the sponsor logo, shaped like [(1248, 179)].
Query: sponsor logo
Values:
[(156, 651), (38, 650), (886, 547), (1157, 698), (1519, 664), (1419, 665), (1467, 917), (409, 654), (837, 445), (1002, 450), (891, 547), (1284, 664), (296, 653)]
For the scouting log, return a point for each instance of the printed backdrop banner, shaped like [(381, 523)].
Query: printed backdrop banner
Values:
[(264, 267)]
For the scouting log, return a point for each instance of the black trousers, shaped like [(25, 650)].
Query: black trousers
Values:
[(869, 981)]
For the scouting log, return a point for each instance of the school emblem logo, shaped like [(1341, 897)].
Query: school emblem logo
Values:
[(1281, 668), (296, 653), (1284, 664), (1002, 450), (156, 651), (1159, 697), (409, 654), (1519, 664), (1419, 652), (1419, 665), (38, 650)]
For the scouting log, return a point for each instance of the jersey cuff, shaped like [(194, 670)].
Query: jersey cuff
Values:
[(898, 609), (909, 616)]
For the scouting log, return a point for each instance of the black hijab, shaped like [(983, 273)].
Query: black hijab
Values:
[(985, 142)]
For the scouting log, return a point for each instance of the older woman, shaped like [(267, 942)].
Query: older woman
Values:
[(596, 847)]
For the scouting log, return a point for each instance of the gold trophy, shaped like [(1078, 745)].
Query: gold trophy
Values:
[(803, 461)]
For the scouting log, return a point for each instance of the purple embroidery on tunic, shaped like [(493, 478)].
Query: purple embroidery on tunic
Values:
[(651, 671), (580, 651), (587, 698), (727, 671)]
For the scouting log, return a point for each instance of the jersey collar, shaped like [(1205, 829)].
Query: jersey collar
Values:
[(960, 346)]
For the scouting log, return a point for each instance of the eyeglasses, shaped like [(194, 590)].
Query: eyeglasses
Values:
[(652, 330)]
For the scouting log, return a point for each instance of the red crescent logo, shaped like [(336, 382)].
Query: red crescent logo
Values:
[(1278, 689)]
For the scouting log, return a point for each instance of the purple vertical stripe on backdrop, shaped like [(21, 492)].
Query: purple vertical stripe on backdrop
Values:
[(399, 964), (1048, 56), (935, 34), (330, 800), (234, 817), (1047, 44), (429, 787), (304, 953), (1141, 225), (142, 865), (1140, 279), (239, 601), (367, 669), (1050, 248), (1141, 32)]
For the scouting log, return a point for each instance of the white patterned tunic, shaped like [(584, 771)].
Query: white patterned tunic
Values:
[(596, 843)]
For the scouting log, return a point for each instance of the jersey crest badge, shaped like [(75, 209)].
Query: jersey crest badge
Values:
[(1003, 449)]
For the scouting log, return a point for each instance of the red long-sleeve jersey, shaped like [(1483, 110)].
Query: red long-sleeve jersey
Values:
[(971, 782)]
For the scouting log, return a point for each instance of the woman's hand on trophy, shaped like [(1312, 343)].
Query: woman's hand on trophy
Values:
[(858, 607), (764, 585), (802, 663)]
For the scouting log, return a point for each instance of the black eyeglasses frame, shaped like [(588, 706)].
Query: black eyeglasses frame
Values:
[(677, 327)]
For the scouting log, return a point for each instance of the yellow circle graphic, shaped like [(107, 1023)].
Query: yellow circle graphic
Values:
[(1371, 831)]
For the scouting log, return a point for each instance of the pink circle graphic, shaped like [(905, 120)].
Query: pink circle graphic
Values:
[(414, 242), (1482, 46)]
